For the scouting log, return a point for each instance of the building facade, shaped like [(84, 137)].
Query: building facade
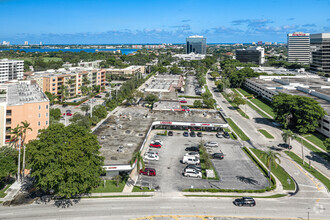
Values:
[(320, 48), (22, 102), (299, 48), (196, 44), (191, 56), (251, 55), (131, 70), (11, 70)]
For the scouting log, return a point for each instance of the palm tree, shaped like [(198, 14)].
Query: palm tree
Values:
[(139, 161), (287, 135), (271, 157), (24, 127), (64, 92), (16, 133)]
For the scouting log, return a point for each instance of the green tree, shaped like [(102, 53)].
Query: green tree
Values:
[(8, 164), (137, 157), (288, 135), (326, 143), (66, 160), (238, 100), (100, 111), (272, 158), (151, 98), (85, 108), (81, 120), (297, 112), (198, 104), (175, 70), (51, 97), (214, 75), (55, 113)]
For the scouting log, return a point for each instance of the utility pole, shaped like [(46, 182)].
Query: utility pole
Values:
[(19, 160), (302, 151), (23, 162), (92, 107)]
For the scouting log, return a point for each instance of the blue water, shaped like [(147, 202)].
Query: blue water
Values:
[(123, 51)]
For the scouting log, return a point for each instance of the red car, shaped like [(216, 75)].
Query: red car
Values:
[(155, 144), (148, 172), (68, 114), (183, 101)]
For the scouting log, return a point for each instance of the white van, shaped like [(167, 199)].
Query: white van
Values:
[(190, 160)]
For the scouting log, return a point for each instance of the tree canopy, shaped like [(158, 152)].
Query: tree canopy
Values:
[(297, 112), (65, 160), (8, 163)]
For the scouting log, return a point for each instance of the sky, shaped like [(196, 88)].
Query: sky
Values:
[(159, 21)]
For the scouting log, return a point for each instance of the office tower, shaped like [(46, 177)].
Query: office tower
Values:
[(11, 70), (26, 42), (259, 43), (196, 44), (320, 48), (251, 55), (298, 48)]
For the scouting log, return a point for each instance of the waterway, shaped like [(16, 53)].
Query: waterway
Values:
[(123, 51)]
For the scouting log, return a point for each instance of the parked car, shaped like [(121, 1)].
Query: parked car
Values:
[(98, 96), (190, 160), (211, 144), (218, 155), (182, 100), (192, 166), (151, 157), (219, 135), (68, 111), (199, 134), (286, 146), (196, 154), (226, 134), (152, 152), (64, 105), (186, 134), (196, 174), (192, 134), (157, 141), (170, 133), (148, 172), (68, 114), (193, 148), (245, 201), (155, 144)]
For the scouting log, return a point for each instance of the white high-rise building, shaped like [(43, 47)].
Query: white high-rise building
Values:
[(11, 70), (26, 42), (299, 48)]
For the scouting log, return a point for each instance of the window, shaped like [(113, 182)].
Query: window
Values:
[(8, 121), (47, 114), (39, 107), (8, 112), (46, 122), (38, 123), (46, 106), (39, 115)]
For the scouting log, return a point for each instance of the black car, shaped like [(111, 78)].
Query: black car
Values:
[(226, 134), (217, 156), (170, 133), (192, 134), (192, 166), (98, 96), (192, 148), (245, 201), (186, 134), (199, 134), (64, 105), (286, 146)]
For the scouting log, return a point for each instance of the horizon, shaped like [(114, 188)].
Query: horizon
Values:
[(136, 22)]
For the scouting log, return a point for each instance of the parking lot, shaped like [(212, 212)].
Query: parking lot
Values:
[(236, 170)]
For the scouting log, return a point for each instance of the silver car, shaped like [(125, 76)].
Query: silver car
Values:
[(211, 144)]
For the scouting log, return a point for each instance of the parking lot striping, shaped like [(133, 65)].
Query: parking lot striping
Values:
[(212, 216), (306, 173)]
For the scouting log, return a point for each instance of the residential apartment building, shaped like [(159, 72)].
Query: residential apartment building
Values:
[(311, 86), (11, 70), (299, 48), (196, 44), (251, 55), (320, 48), (23, 101), (131, 70), (72, 80), (190, 56)]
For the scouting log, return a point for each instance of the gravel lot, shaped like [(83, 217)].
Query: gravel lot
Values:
[(236, 170)]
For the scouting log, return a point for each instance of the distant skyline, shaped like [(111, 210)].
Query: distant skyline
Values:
[(146, 21)]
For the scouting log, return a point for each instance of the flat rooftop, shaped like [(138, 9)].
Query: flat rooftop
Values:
[(22, 93), (123, 133)]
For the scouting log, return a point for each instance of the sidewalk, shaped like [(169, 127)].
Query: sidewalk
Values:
[(12, 192)]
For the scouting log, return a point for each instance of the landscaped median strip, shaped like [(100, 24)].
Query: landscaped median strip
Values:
[(266, 134), (314, 149), (237, 130)]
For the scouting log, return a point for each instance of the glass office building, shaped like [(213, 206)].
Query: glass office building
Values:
[(196, 44)]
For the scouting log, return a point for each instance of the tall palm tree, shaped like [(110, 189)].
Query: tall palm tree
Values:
[(24, 128), (139, 161), (272, 158), (287, 135), (16, 133)]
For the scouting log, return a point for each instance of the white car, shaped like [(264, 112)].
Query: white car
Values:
[(196, 174), (195, 154), (151, 153), (151, 157), (156, 141), (211, 144)]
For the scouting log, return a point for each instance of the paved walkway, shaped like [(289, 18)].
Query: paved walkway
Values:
[(11, 192)]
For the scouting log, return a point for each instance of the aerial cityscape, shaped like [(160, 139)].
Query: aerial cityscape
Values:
[(165, 110)]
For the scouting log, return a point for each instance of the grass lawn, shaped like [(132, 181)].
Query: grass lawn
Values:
[(278, 171), (235, 106), (45, 59), (234, 90), (144, 189), (244, 92), (203, 157), (317, 139), (314, 149), (110, 186), (263, 106), (2, 191), (258, 111), (311, 170), (237, 130), (266, 134)]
